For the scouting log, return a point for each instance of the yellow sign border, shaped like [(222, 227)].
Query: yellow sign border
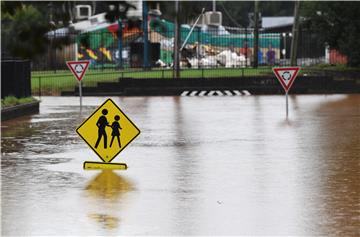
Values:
[(109, 99)]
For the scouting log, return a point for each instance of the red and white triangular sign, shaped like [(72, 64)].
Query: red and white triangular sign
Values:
[(78, 68), (286, 76)]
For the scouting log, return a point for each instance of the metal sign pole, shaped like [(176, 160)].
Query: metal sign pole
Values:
[(286, 77), (78, 68), (287, 105), (80, 94)]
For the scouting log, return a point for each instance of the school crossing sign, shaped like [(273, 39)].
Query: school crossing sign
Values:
[(107, 131)]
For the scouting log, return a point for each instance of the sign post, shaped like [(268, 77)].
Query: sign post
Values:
[(107, 131), (78, 68), (80, 95), (286, 77), (287, 105)]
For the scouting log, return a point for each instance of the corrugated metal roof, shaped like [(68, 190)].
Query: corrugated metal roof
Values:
[(270, 22)]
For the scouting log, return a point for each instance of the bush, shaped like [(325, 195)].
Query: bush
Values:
[(12, 101)]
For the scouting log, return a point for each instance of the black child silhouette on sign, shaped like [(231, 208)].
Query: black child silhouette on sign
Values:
[(101, 124), (115, 130)]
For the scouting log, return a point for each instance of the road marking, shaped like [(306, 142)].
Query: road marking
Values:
[(216, 93), (202, 93), (219, 93), (193, 93), (185, 93)]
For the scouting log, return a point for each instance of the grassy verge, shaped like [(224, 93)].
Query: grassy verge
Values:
[(12, 101), (54, 83)]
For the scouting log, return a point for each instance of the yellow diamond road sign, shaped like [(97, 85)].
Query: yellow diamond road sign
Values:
[(108, 131)]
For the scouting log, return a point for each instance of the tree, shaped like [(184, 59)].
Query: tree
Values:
[(23, 32), (24, 24), (338, 25)]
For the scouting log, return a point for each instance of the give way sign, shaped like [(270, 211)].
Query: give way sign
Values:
[(78, 68), (286, 76)]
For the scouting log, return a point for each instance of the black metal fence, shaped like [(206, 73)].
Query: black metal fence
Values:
[(205, 53), (15, 78)]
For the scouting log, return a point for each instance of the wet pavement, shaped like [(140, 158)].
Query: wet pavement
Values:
[(201, 166)]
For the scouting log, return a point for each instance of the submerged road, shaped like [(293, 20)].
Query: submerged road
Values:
[(201, 166)]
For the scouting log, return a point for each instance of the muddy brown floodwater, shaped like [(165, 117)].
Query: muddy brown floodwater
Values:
[(201, 166)]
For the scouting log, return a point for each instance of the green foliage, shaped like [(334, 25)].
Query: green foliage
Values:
[(338, 24), (23, 32), (12, 101)]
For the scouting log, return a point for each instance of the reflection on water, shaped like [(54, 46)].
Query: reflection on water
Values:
[(106, 221), (107, 187), (43, 133), (341, 166), (203, 166)]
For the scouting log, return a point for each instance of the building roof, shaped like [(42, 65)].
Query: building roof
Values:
[(277, 21)]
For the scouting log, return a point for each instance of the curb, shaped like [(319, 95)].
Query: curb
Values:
[(20, 110)]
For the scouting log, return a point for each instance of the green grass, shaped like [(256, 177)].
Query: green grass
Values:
[(12, 101), (52, 82), (336, 67)]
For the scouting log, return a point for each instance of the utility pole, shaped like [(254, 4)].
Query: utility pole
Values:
[(256, 33), (176, 61), (295, 34)]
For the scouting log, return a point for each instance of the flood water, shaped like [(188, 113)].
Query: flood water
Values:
[(201, 166)]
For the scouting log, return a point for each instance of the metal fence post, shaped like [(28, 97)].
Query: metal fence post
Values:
[(120, 43), (198, 48), (102, 55), (40, 87), (245, 45), (146, 32), (256, 34), (177, 38), (55, 60)]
